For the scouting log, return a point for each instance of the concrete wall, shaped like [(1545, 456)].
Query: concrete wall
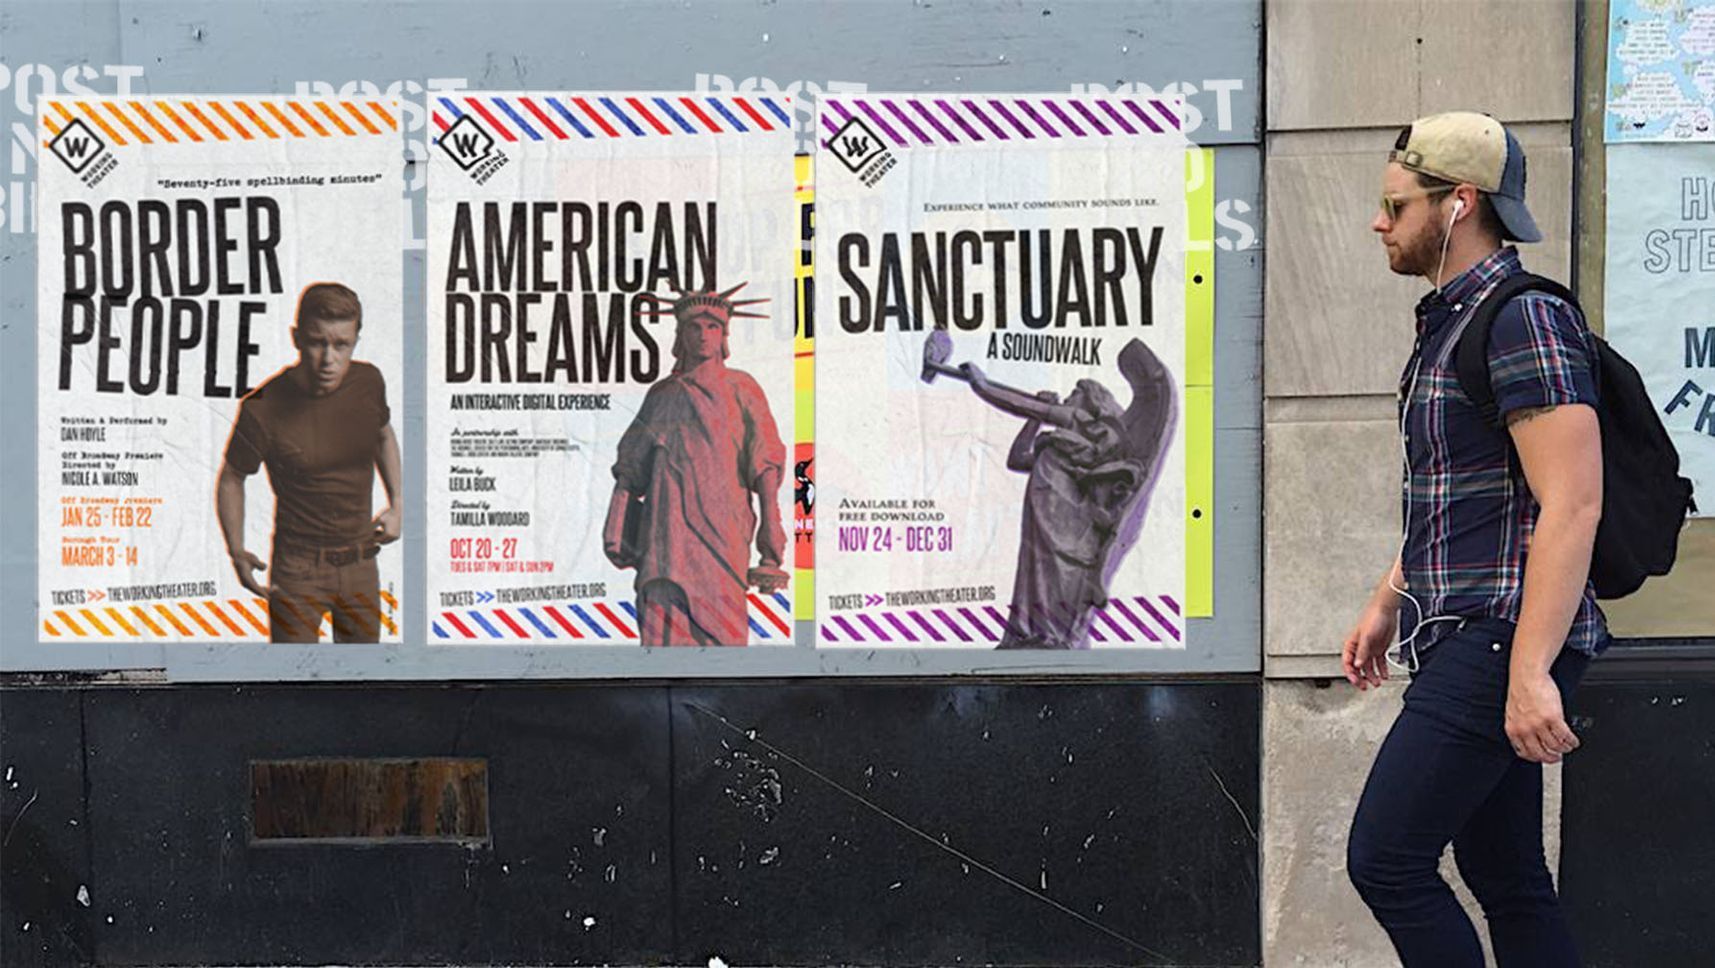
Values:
[(1342, 77)]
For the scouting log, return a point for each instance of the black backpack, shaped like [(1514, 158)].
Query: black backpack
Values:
[(1644, 500)]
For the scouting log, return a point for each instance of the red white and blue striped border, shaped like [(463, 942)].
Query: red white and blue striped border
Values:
[(1141, 620), (588, 623), (910, 121), (574, 117)]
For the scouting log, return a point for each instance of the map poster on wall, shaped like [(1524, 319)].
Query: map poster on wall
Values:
[(1659, 292), (1661, 71), (218, 371), (1000, 372), (610, 392)]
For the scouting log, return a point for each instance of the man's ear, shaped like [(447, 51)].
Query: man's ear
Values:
[(1465, 200)]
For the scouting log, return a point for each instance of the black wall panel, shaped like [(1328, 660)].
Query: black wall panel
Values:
[(764, 823), (578, 818), (968, 824), (1637, 869), (45, 857)]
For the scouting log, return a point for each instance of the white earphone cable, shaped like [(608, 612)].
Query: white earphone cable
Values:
[(1446, 237), (1394, 655)]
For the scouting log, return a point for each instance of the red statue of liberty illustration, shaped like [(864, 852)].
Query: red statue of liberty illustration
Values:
[(1091, 474), (695, 485)]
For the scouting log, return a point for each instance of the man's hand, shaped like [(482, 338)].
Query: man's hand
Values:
[(247, 565), (1363, 657), (388, 524), (1536, 722), (1048, 396)]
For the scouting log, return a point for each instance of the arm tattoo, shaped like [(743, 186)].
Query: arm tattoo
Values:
[(1520, 416)]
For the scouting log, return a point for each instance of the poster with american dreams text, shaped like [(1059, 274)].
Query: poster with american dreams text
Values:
[(610, 392), (218, 375), (1000, 372)]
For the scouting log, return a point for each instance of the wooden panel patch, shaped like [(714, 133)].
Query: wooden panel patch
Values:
[(369, 800)]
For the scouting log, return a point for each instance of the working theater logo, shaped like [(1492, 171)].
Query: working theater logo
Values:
[(77, 146), (472, 148), (855, 145), (861, 151), (466, 143)]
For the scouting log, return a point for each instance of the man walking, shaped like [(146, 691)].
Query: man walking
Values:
[(1489, 602), (323, 429)]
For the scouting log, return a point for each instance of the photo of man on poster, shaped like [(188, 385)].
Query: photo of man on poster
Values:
[(322, 428)]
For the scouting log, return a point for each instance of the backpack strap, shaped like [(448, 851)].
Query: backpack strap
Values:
[(1471, 358)]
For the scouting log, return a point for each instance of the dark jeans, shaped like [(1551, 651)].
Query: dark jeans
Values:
[(342, 583), (1446, 773)]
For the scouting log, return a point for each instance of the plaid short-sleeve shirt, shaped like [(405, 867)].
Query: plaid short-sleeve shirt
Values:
[(1469, 514)]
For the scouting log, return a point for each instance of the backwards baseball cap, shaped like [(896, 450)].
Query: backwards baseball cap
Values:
[(1466, 147)]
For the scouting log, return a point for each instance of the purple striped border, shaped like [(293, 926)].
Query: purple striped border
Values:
[(910, 121), (1146, 621)]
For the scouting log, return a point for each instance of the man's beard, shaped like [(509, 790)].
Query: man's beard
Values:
[(1419, 256)]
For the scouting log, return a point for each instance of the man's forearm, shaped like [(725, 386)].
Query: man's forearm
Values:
[(388, 464), (1393, 578), (1555, 574), (229, 510)]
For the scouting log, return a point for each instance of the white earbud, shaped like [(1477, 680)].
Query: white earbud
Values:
[(1458, 206)]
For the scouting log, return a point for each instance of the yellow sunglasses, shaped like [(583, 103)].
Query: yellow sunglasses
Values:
[(1391, 204)]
